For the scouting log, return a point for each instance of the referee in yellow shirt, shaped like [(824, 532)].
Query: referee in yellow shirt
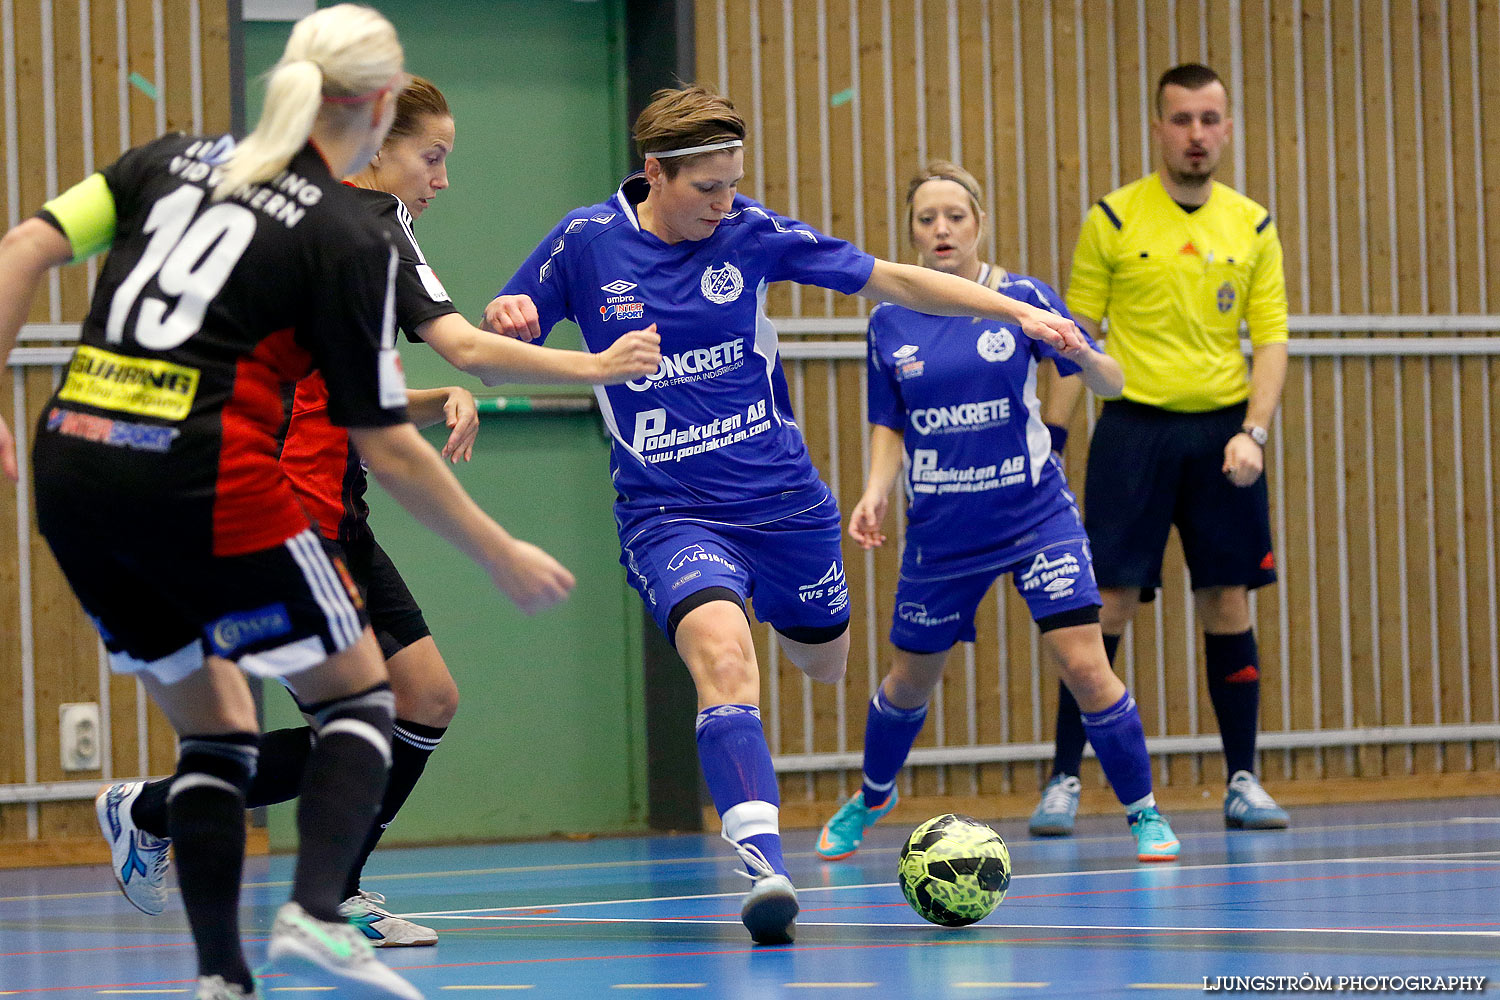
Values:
[(1176, 262)]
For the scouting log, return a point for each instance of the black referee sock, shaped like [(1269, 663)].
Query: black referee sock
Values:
[(1067, 749), (283, 757), (1067, 752), (206, 820), (341, 792), (1233, 667), (411, 744)]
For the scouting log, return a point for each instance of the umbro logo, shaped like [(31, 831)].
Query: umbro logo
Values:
[(617, 287)]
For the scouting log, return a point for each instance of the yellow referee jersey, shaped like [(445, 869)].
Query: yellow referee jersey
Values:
[(1175, 286)]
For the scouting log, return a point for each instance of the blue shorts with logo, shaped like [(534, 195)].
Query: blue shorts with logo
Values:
[(790, 565), (1053, 572)]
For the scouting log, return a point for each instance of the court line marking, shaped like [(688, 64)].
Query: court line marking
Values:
[(503, 986), (1017, 847), (735, 922), (1164, 986), (1229, 866), (1001, 986), (658, 986)]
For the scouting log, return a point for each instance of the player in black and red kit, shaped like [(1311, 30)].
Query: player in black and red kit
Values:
[(329, 478), (233, 270)]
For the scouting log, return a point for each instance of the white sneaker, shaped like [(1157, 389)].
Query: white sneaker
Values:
[(366, 910), (139, 860), (771, 907), (324, 953), (215, 988)]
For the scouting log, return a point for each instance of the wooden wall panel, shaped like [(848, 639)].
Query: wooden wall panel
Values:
[(75, 112), (1362, 127)]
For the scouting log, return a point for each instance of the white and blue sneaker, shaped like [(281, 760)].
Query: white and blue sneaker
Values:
[(1054, 815), (215, 988), (1248, 806), (325, 953), (366, 910), (139, 860), (771, 907)]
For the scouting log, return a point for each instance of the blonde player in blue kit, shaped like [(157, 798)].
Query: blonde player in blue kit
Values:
[(956, 399), (719, 502)]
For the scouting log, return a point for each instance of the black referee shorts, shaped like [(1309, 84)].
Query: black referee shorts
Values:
[(394, 613), (1149, 469)]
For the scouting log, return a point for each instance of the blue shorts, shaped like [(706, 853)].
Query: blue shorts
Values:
[(792, 567), (1055, 575)]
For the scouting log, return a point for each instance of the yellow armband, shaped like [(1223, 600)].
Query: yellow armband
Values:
[(86, 212)]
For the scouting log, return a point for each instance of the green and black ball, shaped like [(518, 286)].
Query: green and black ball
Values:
[(954, 870)]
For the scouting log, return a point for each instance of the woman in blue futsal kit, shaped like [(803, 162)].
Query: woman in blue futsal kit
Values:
[(956, 397), (719, 500)]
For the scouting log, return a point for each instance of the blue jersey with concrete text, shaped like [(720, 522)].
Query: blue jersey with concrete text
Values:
[(962, 392), (714, 424)]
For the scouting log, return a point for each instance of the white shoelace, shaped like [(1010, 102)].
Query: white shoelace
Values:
[(1252, 792), (1059, 797), (753, 858), (373, 901)]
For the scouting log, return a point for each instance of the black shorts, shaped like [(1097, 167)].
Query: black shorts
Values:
[(1149, 469), (161, 605), (394, 613)]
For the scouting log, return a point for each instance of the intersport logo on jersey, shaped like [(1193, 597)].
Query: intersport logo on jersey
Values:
[(694, 365)]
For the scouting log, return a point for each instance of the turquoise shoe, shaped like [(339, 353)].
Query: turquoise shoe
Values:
[(1154, 839), (843, 834)]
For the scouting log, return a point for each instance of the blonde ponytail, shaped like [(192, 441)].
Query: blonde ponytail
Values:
[(341, 52)]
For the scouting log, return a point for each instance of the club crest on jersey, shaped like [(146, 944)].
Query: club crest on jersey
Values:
[(722, 285), (997, 345), (1226, 297)]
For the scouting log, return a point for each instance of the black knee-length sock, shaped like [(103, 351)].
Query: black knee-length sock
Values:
[(411, 745)]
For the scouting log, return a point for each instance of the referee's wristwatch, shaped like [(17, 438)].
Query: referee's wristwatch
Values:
[(1257, 434)]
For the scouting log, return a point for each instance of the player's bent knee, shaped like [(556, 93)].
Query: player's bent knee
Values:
[(425, 690), (821, 652)]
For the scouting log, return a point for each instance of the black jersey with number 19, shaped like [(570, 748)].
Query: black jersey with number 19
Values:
[(169, 409)]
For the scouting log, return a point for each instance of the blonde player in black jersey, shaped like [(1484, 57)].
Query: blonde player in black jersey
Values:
[(329, 478), (231, 271)]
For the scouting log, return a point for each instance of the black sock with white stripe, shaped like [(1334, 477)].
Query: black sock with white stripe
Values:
[(341, 794), (411, 744), (283, 755), (206, 819)]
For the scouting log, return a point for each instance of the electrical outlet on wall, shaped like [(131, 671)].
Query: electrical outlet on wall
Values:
[(79, 736)]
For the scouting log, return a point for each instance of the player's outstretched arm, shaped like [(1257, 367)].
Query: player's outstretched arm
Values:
[(1062, 399), (939, 294), (496, 359), (413, 473), (1097, 370), (454, 406), (868, 516), (513, 316), (27, 252)]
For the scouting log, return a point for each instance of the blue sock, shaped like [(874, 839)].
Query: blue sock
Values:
[(1119, 739), (889, 734), (737, 766)]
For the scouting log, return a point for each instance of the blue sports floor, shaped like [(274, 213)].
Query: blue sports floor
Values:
[(1407, 889)]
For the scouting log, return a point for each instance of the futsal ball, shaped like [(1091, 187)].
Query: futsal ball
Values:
[(954, 870)]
